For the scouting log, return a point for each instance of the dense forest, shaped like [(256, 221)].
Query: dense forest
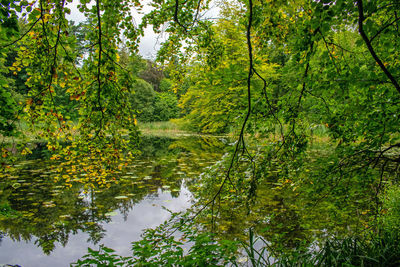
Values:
[(306, 91)]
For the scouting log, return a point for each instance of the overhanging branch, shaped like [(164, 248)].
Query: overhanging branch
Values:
[(370, 48)]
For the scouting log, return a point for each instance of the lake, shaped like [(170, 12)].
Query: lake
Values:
[(51, 225)]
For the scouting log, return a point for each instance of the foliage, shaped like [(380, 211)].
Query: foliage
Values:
[(217, 95), (160, 246), (152, 74), (69, 99), (101, 257), (379, 251), (143, 100), (151, 105), (390, 213), (8, 29), (165, 85), (274, 70), (165, 107)]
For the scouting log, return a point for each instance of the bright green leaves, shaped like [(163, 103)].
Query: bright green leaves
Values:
[(73, 98), (216, 97), (159, 247)]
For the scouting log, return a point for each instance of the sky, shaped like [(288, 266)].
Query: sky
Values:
[(149, 43)]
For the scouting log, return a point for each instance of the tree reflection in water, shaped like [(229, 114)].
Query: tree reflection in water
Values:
[(48, 212)]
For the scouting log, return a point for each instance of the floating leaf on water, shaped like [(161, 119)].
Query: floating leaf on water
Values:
[(36, 171), (121, 197), (112, 213), (48, 204), (16, 185), (242, 259)]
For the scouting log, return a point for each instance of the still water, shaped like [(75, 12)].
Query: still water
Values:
[(51, 225)]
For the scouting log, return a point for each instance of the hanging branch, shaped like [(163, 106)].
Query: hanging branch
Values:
[(383, 28), (99, 65), (367, 41), (23, 35), (176, 16), (53, 66), (241, 135)]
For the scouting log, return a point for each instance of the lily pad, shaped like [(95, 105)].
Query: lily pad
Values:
[(112, 213), (16, 185), (121, 197)]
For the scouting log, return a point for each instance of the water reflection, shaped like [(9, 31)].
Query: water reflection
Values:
[(48, 215)]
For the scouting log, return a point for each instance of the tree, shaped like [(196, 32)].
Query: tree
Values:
[(152, 74), (8, 29), (143, 100)]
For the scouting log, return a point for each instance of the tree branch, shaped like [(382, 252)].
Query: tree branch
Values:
[(23, 35), (361, 19), (99, 64)]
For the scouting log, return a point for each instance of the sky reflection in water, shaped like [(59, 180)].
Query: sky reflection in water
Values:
[(53, 216)]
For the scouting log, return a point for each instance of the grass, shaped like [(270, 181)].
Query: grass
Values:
[(160, 128), (166, 129)]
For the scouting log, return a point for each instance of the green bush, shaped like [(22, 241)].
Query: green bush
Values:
[(143, 100), (391, 208), (165, 85), (165, 107), (151, 106)]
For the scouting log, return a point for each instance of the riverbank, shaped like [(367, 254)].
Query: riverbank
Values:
[(170, 130)]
